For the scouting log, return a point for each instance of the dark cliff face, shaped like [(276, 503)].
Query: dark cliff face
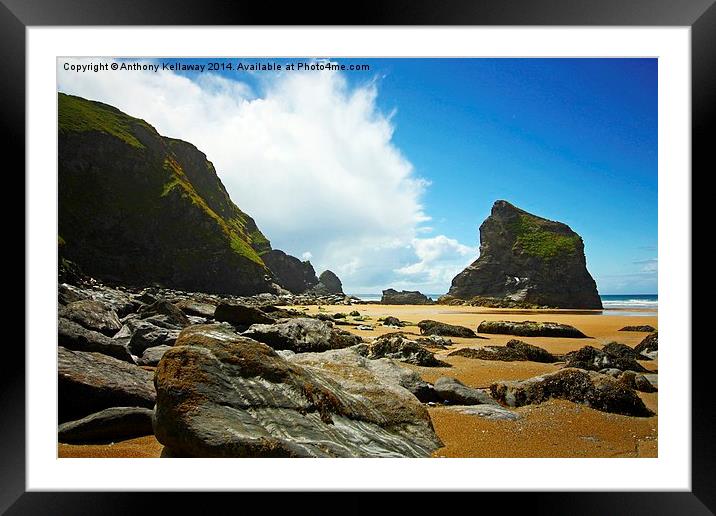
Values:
[(139, 208), (291, 273), (524, 257)]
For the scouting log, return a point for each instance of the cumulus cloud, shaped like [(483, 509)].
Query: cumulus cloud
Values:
[(310, 157)]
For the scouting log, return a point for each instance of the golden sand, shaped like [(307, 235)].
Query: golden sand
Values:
[(553, 429)]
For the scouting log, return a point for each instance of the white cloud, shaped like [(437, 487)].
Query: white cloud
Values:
[(310, 158)]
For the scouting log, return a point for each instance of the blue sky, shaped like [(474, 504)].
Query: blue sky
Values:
[(573, 140)]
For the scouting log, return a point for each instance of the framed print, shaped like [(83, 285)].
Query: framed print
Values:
[(439, 242)]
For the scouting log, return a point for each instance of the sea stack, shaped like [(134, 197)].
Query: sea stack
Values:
[(529, 259)]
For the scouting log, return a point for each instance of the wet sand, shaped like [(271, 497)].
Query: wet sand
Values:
[(553, 429)]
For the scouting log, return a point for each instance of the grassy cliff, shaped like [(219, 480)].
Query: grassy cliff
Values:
[(137, 207)]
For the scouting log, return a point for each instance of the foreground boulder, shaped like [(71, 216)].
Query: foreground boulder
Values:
[(241, 315), (645, 328), (302, 335), (528, 259), (90, 382), (76, 337), (404, 297), (593, 359), (109, 425), (93, 315), (599, 391), (530, 329), (239, 398), (454, 391), (514, 350), (649, 344), (429, 327), (398, 347)]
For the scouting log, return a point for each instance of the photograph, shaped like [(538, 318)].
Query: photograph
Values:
[(345, 257)]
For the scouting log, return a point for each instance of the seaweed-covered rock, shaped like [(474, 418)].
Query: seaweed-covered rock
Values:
[(515, 350), (623, 351), (649, 344), (434, 341), (392, 321), (636, 381), (90, 382), (108, 425), (599, 391), (454, 391), (529, 259), (398, 347), (404, 297), (93, 315), (302, 335), (644, 328), (239, 398), (593, 359), (76, 337), (530, 329), (430, 327)]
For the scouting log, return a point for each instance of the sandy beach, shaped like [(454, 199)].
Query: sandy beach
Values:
[(553, 429)]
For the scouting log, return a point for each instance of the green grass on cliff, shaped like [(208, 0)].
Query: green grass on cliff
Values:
[(76, 114), (536, 240)]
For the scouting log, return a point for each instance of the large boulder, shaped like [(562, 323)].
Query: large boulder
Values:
[(398, 347), (593, 359), (241, 315), (109, 425), (93, 315), (530, 329), (90, 382), (599, 391), (454, 391), (141, 334), (404, 297), (529, 259), (302, 335), (238, 398), (514, 350), (328, 283), (429, 327), (71, 335)]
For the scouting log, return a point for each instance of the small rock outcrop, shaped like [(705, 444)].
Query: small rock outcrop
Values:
[(530, 329), (599, 391), (593, 359), (643, 328), (404, 297), (430, 327), (649, 344), (529, 259), (328, 283), (514, 350), (398, 347)]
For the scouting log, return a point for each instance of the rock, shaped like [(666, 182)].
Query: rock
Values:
[(649, 344), (404, 297), (291, 273), (116, 299), (611, 371), (494, 412), (69, 293), (434, 341), (139, 208), (146, 335), (397, 347), (354, 313), (623, 351), (428, 327), (90, 382), (644, 328), (219, 398), (636, 381), (165, 314), (364, 327), (328, 283), (454, 391), (515, 350), (593, 359), (109, 425), (529, 259), (93, 315), (191, 307), (595, 390), (241, 315), (392, 321), (153, 355), (78, 338), (530, 329), (302, 335)]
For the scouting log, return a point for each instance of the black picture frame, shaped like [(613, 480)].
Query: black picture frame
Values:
[(699, 15)]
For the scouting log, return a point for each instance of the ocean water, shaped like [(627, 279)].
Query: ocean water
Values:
[(620, 302)]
